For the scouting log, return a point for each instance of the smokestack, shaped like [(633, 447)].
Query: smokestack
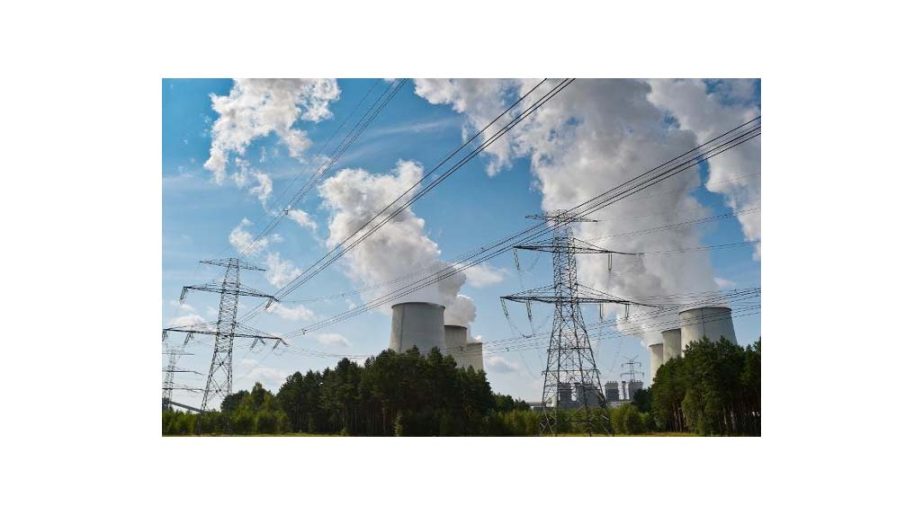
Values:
[(709, 322), (417, 324), (672, 347), (656, 359), (456, 338)]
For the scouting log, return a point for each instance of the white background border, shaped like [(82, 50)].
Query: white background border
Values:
[(82, 223)]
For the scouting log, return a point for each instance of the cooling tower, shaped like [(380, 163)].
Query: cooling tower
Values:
[(708, 322), (672, 347), (656, 359), (456, 337), (633, 387), (474, 355), (417, 324), (612, 391)]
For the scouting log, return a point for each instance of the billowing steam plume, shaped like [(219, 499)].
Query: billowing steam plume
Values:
[(595, 135), (400, 248)]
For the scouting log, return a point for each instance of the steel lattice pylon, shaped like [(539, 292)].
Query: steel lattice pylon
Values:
[(169, 373), (571, 366), (220, 378)]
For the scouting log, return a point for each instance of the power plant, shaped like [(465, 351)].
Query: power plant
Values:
[(712, 322), (656, 358), (709, 322), (672, 347), (419, 324), (422, 325)]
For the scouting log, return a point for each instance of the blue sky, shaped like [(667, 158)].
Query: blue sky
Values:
[(470, 209)]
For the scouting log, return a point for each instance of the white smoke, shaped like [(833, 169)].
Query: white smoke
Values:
[(735, 174), (460, 311), (593, 136), (399, 248)]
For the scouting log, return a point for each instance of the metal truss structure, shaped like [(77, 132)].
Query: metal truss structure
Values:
[(571, 368), (220, 374), (169, 372)]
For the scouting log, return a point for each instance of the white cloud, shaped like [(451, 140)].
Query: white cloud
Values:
[(734, 174), (724, 283), (480, 99), (243, 242), (303, 219), (593, 136), (332, 340), (280, 271), (500, 365), (191, 319), (399, 248), (182, 306), (271, 378), (258, 107), (484, 275), (263, 188), (297, 312)]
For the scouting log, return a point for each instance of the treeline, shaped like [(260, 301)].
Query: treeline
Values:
[(714, 389), (392, 394)]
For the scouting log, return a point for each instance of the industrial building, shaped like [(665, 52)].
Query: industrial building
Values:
[(576, 394), (712, 322), (619, 393), (612, 391), (422, 325)]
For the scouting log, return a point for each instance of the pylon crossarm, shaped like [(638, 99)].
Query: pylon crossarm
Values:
[(603, 295), (573, 248), (234, 335), (233, 262), (238, 289)]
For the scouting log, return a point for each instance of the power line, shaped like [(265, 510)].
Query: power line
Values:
[(426, 273), (716, 146), (341, 148), (346, 245), (334, 254), (338, 152)]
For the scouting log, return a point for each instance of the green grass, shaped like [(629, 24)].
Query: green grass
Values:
[(335, 435)]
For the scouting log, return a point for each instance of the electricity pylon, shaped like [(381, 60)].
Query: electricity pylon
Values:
[(571, 362), (171, 370), (633, 383), (220, 374)]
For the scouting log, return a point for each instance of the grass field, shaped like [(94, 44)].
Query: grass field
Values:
[(334, 435)]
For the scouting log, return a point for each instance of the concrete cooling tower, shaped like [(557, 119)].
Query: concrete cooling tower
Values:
[(456, 338), (672, 347), (417, 324), (656, 359), (474, 354), (708, 322)]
